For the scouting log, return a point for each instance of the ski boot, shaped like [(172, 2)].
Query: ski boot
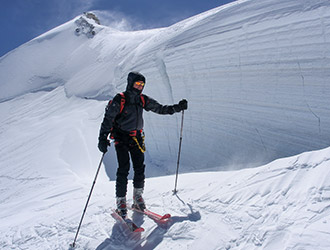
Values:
[(138, 200), (121, 207)]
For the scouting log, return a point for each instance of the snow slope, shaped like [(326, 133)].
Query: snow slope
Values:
[(282, 205), (255, 74)]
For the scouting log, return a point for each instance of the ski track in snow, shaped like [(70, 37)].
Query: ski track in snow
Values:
[(255, 74)]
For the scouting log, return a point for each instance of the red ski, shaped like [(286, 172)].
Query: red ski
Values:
[(129, 224), (152, 215)]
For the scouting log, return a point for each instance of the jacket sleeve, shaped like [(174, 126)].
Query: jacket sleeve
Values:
[(111, 111), (154, 106)]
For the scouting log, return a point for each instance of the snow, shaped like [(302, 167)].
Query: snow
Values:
[(255, 74)]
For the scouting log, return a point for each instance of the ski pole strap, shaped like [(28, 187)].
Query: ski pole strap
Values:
[(143, 148)]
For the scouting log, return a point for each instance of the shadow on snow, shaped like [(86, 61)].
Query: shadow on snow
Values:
[(120, 239)]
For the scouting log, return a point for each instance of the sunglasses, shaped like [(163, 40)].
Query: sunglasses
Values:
[(139, 83)]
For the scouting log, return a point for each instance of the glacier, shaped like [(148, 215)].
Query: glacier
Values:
[(255, 74)]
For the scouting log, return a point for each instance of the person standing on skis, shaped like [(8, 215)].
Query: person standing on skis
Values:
[(123, 120)]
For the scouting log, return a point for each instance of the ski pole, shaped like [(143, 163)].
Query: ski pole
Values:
[(178, 162), (89, 196)]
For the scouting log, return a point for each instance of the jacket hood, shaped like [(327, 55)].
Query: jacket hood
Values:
[(132, 78)]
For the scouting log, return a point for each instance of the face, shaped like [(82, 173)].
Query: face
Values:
[(138, 85)]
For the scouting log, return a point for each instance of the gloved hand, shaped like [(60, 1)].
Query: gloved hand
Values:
[(183, 104), (103, 145)]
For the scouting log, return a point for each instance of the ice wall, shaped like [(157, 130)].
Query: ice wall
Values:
[(256, 75)]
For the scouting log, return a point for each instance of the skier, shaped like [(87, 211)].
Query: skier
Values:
[(124, 122)]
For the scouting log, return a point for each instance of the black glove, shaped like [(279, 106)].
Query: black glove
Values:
[(183, 104), (103, 145)]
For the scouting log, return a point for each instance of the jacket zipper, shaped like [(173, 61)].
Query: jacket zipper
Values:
[(137, 117)]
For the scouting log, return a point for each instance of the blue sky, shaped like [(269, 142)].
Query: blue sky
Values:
[(23, 20)]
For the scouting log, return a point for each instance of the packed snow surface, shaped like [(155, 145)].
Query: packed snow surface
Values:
[(255, 74)]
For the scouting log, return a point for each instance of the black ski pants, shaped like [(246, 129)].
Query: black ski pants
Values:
[(126, 149)]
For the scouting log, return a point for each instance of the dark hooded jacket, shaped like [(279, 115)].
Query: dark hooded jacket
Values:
[(131, 117)]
